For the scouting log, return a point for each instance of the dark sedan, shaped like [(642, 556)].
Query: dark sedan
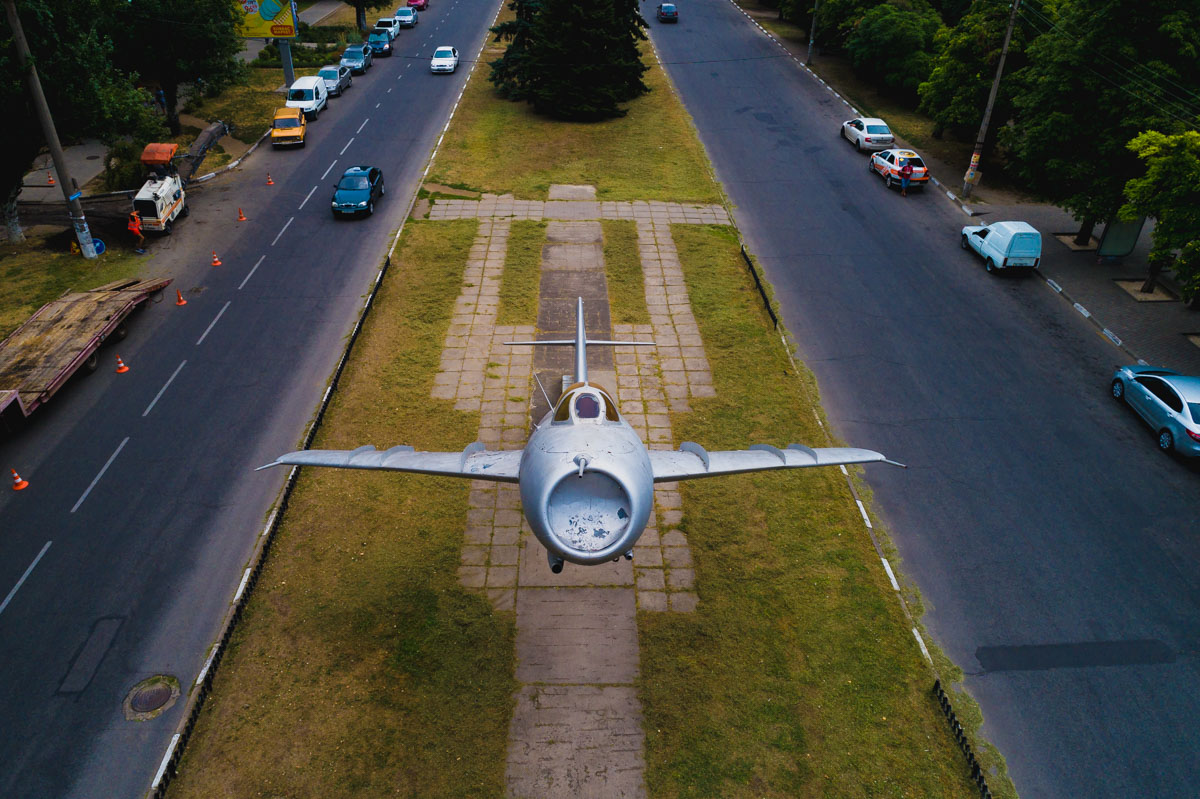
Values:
[(357, 58), (357, 191), (667, 12)]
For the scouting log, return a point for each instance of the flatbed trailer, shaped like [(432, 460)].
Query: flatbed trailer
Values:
[(63, 336)]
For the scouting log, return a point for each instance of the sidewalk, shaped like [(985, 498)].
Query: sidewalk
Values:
[(1162, 332), (84, 161)]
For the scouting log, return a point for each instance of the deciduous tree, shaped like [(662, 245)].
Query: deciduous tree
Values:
[(893, 45)]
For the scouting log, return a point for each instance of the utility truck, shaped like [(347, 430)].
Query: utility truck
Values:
[(161, 200)]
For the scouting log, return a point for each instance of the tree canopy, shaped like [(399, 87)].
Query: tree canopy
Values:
[(892, 45)]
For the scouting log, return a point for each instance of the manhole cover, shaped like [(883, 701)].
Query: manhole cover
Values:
[(150, 697)]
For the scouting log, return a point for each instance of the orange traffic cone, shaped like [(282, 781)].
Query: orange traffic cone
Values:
[(241, 216), (181, 300), (18, 483), (121, 367), (50, 178), (269, 181), (216, 260)]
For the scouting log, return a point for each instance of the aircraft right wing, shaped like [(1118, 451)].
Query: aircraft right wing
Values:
[(473, 463), (692, 460)]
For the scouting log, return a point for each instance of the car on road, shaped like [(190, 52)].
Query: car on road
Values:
[(1167, 401), (389, 24), (667, 12), (1005, 245), (337, 78), (381, 43), (288, 127), (887, 163), (419, 5), (357, 191), (445, 59), (868, 133), (357, 58), (309, 95), (407, 17)]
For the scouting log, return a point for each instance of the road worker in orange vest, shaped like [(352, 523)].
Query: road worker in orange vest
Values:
[(135, 227)]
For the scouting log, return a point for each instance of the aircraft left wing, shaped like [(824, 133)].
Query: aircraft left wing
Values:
[(692, 460), (473, 463)]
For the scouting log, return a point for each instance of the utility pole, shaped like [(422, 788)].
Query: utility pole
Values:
[(285, 56), (969, 178), (69, 191), (812, 31)]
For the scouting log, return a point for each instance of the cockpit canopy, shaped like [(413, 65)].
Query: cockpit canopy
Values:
[(586, 403)]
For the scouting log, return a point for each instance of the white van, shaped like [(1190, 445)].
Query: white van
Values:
[(309, 95), (1005, 245)]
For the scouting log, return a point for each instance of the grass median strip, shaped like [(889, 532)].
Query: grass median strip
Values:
[(623, 270), (361, 667), (522, 273)]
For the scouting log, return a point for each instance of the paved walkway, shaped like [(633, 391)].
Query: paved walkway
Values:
[(492, 205), (577, 727)]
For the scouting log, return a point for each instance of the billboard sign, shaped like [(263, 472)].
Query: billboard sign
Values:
[(267, 19)]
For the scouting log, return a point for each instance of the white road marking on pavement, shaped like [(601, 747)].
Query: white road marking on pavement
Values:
[(246, 279), (285, 227), (103, 469), (212, 324), (24, 576), (887, 567), (328, 170), (377, 105), (157, 396), (310, 194), (162, 767), (347, 147), (363, 125)]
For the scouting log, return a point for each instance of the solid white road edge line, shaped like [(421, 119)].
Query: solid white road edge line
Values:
[(103, 469), (213, 323), (306, 198), (347, 147), (280, 233), (162, 767), (328, 169), (246, 279), (24, 577), (158, 396)]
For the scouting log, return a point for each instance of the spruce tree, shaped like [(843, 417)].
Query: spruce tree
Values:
[(510, 71)]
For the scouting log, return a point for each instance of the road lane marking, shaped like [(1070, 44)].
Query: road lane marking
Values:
[(213, 323), (103, 469), (306, 197), (285, 227), (246, 279), (24, 577), (158, 396), (363, 125), (328, 170), (347, 147), (377, 104), (389, 91)]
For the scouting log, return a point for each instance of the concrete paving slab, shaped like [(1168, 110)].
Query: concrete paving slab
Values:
[(575, 636)]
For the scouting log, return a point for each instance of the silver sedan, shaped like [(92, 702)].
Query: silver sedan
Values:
[(1168, 401)]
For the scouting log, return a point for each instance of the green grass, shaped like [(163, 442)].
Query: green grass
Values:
[(810, 682), (623, 270), (247, 107), (522, 273), (42, 268), (361, 667), (502, 147)]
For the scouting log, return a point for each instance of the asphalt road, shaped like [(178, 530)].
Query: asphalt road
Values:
[(1054, 548), (119, 561)]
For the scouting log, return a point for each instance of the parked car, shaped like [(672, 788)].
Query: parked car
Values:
[(380, 43), (887, 165), (357, 58), (357, 191), (868, 133), (389, 24), (1005, 245), (667, 12), (445, 59), (420, 5), (288, 127), (337, 78), (1167, 401), (309, 95), (407, 17)]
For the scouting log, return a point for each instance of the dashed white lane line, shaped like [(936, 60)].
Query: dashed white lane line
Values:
[(285, 227), (24, 577), (328, 170), (306, 197), (162, 390), (347, 147), (213, 323), (246, 279), (363, 125), (103, 469), (378, 104)]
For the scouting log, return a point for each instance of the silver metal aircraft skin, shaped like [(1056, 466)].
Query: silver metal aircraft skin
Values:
[(587, 479)]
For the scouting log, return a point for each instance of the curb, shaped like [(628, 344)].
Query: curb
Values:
[(233, 164)]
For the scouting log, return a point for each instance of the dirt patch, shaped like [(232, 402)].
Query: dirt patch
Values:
[(438, 188)]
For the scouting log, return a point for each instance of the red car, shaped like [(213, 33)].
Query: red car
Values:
[(419, 5)]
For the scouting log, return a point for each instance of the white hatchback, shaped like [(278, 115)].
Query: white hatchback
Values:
[(868, 133), (445, 59)]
